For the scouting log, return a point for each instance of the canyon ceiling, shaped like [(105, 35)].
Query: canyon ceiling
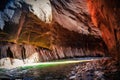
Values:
[(63, 28)]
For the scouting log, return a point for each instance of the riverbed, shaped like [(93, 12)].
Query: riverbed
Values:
[(66, 69)]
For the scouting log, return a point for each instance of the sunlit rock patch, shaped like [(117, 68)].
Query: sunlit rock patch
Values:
[(12, 10), (41, 8)]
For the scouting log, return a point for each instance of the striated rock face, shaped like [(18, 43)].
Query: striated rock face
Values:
[(10, 10), (74, 16), (41, 8), (22, 20), (105, 15), (11, 54), (37, 30)]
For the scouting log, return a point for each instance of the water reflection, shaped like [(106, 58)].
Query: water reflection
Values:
[(74, 71)]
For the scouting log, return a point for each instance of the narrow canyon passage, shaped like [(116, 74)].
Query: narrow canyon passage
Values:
[(31, 36), (39, 31)]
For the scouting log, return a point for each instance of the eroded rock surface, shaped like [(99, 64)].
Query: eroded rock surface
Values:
[(105, 15), (31, 32), (42, 30), (52, 29), (13, 54)]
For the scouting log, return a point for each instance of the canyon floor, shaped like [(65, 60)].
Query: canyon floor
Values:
[(87, 68)]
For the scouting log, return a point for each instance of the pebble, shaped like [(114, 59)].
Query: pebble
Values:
[(72, 77)]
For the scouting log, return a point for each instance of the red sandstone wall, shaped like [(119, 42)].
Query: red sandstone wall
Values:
[(105, 15)]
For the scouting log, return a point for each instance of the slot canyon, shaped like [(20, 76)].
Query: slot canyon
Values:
[(69, 39)]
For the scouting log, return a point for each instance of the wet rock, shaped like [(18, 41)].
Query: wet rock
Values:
[(92, 70), (99, 74), (72, 77)]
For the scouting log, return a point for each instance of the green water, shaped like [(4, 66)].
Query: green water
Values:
[(57, 69), (54, 70), (51, 64)]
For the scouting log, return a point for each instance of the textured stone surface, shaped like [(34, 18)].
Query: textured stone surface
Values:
[(105, 15), (72, 29), (81, 71), (11, 53), (11, 10), (42, 30), (71, 25), (41, 8), (74, 16)]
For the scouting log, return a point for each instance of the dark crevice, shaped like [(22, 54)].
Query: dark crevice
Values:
[(9, 53), (3, 4), (23, 52)]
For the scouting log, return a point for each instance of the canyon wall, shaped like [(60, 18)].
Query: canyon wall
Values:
[(105, 16), (57, 29)]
